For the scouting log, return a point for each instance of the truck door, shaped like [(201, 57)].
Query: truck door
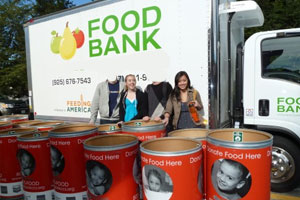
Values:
[(277, 83)]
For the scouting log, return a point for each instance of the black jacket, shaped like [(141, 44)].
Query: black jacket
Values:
[(142, 106)]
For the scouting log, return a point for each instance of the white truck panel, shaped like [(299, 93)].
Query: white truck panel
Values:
[(64, 88)]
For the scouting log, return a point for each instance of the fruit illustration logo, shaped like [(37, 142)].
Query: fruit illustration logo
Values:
[(67, 44)]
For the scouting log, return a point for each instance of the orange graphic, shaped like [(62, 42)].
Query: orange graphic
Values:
[(79, 103)]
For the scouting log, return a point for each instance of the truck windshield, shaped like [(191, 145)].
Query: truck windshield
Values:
[(281, 58)]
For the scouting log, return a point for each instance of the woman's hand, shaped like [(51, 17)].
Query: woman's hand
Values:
[(146, 118), (165, 121), (157, 119), (196, 104), (119, 124)]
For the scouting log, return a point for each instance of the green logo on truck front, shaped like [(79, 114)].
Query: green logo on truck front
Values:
[(119, 43), (288, 105)]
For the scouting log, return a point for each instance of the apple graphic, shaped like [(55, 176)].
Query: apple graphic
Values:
[(79, 37), (55, 42)]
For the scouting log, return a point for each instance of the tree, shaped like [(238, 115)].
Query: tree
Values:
[(13, 81), (13, 14), (43, 7), (278, 14)]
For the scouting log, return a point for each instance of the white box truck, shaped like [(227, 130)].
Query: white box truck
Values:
[(253, 84)]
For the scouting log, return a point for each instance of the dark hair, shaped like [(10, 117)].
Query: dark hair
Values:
[(155, 173), (176, 91)]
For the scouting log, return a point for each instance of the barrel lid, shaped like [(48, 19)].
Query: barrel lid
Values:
[(106, 128), (142, 126), (16, 131), (5, 123), (196, 133), (240, 138), (171, 146), (27, 122), (110, 142), (37, 136), (47, 123), (72, 130)]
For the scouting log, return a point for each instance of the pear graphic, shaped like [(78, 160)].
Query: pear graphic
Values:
[(68, 44)]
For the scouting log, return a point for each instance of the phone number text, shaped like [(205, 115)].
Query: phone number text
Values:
[(71, 81)]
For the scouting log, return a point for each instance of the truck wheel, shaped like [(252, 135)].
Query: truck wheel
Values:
[(285, 174)]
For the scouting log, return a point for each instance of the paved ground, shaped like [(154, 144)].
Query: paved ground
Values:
[(293, 195)]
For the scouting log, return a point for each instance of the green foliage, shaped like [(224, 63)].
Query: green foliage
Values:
[(13, 81), (13, 14), (43, 7), (279, 14)]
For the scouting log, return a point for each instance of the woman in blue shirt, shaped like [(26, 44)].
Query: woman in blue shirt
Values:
[(133, 102)]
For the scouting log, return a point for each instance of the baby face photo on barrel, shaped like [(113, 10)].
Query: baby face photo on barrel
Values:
[(27, 162), (157, 183), (99, 177), (231, 179), (57, 161)]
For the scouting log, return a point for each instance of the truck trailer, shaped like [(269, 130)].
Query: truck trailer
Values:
[(243, 84)]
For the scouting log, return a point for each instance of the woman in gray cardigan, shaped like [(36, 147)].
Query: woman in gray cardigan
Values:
[(183, 96)]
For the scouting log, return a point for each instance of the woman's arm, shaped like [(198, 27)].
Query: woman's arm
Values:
[(142, 106), (121, 107), (198, 103), (146, 93), (169, 107), (168, 111)]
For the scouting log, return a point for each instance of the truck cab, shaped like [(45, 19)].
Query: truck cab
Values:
[(271, 99), (261, 82)]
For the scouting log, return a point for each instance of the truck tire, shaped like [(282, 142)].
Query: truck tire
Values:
[(285, 174)]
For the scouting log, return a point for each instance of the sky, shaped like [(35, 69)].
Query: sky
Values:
[(80, 2)]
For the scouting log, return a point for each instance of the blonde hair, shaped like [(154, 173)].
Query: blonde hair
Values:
[(126, 77)]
